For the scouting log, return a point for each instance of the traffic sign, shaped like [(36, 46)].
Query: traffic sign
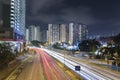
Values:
[(77, 68)]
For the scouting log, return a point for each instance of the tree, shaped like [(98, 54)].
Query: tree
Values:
[(107, 52), (5, 53), (116, 40), (84, 45), (94, 45), (35, 43), (89, 45)]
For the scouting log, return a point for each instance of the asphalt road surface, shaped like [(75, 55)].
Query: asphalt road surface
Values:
[(42, 67)]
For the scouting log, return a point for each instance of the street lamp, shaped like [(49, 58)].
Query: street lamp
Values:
[(64, 58)]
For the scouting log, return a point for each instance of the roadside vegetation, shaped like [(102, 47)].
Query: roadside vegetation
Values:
[(109, 52), (6, 55), (95, 49)]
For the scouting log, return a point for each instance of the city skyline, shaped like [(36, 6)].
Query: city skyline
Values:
[(59, 40), (71, 33), (102, 17)]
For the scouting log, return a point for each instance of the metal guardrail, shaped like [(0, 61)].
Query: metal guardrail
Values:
[(115, 68)]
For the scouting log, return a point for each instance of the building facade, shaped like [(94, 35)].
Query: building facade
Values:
[(43, 36), (62, 32), (27, 36), (72, 33), (34, 33), (77, 32), (71, 29), (12, 23), (83, 32), (17, 17), (13, 20), (54, 33)]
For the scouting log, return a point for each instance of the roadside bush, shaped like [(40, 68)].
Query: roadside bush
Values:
[(5, 54)]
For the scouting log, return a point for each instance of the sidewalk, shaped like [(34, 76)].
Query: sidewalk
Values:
[(7, 69)]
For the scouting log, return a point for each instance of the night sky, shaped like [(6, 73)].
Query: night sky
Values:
[(101, 16)]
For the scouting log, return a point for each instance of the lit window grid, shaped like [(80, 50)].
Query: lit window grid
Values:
[(19, 18)]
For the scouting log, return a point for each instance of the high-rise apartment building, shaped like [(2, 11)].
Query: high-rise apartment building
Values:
[(34, 33), (83, 32), (18, 15), (27, 36), (49, 33), (54, 33), (77, 32), (62, 32), (71, 27), (72, 33), (13, 20), (12, 23), (43, 36)]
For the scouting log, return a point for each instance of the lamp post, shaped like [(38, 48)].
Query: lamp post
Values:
[(64, 58)]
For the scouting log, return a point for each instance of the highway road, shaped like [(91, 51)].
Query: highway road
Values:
[(42, 67), (32, 69), (87, 72)]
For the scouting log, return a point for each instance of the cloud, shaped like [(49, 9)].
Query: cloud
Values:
[(99, 18), (81, 14), (43, 4), (52, 11), (43, 18)]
